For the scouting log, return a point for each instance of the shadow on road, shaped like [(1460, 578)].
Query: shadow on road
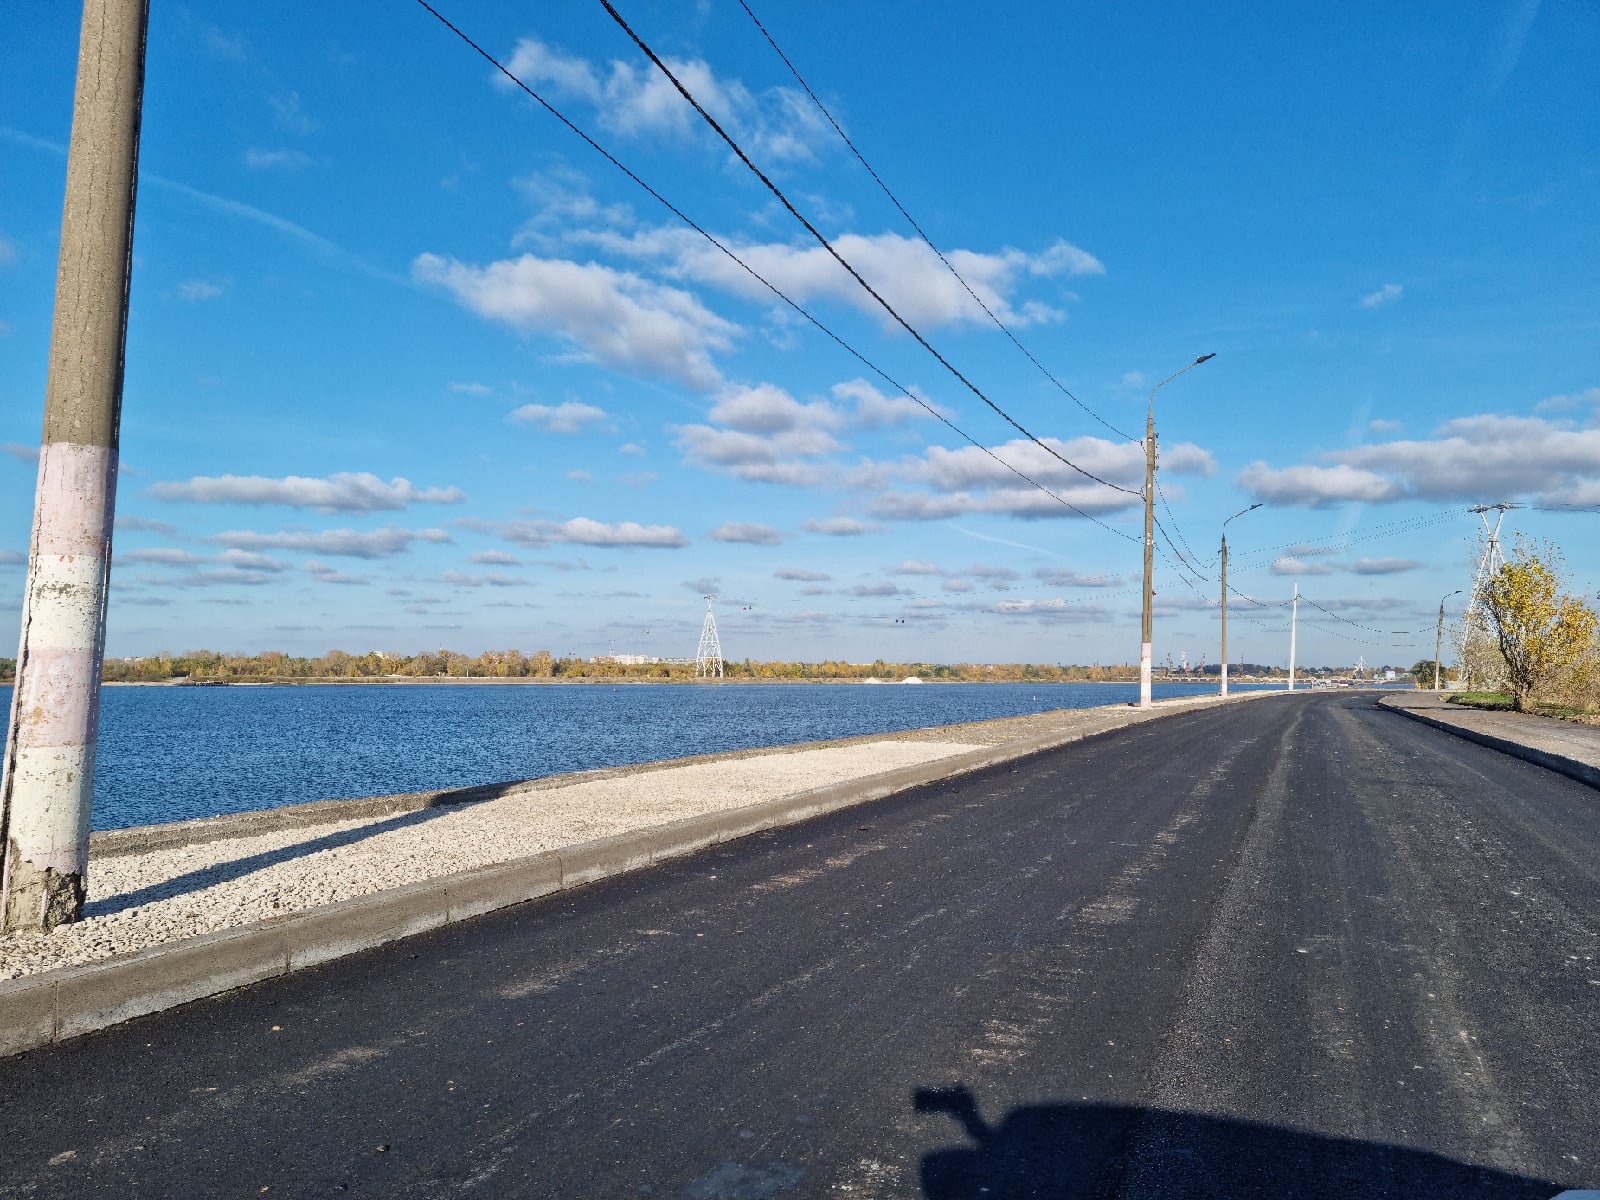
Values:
[(1078, 1151)]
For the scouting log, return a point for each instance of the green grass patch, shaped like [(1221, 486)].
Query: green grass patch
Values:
[(1481, 699), (1502, 702)]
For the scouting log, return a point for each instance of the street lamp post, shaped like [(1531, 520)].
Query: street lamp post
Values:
[(1438, 638), (1240, 513), (1146, 624)]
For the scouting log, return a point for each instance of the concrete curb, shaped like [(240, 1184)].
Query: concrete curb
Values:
[(53, 1006), (1572, 768)]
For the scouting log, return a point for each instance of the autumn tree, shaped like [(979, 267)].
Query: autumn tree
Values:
[(1541, 631)]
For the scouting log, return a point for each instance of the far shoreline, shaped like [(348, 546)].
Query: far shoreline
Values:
[(416, 681)]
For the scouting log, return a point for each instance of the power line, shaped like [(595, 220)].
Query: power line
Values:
[(1359, 625), (839, 258), (1344, 541), (1160, 491), (893, 199), (846, 346)]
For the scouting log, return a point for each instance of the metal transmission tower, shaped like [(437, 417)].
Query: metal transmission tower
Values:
[(1492, 559), (708, 659)]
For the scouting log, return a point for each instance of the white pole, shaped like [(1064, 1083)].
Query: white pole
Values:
[(1294, 618)]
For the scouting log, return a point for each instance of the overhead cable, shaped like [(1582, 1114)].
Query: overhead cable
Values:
[(710, 237), (839, 258), (912, 221)]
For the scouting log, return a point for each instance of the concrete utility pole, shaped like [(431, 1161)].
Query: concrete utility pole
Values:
[(1240, 513), (1294, 620), (1438, 638), (55, 706), (1147, 621)]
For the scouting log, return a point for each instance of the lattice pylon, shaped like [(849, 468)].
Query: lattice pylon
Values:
[(708, 659), (1492, 559)]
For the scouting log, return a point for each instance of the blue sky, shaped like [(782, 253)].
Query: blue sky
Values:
[(410, 365)]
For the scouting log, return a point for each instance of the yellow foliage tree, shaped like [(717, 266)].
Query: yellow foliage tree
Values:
[(1541, 630)]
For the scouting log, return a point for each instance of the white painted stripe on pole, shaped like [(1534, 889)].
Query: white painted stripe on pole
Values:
[(64, 601), (56, 703), (73, 506), (49, 836)]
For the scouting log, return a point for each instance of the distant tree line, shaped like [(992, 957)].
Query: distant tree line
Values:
[(274, 666)]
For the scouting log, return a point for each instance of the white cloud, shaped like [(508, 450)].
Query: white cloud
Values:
[(583, 531), (616, 319), (841, 527), (323, 573), (873, 408), (292, 115), (211, 577), (145, 525), (767, 409), (472, 389), (1066, 577), (765, 457), (958, 585), (1120, 462), (8, 252), (912, 566), (1383, 425), (1054, 608), (749, 533), (252, 561), (570, 416), (1472, 456), (197, 290), (1315, 487), (14, 558), (485, 579), (984, 571), (1295, 566), (875, 589), (20, 452), (1384, 296), (495, 558), (339, 543), (1469, 458), (580, 476), (276, 160), (968, 480), (637, 100), (344, 492), (165, 555), (904, 271), (801, 576), (1384, 566), (631, 448), (169, 556), (1017, 502), (1589, 397), (770, 437)]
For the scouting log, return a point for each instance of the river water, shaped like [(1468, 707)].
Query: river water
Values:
[(172, 753)]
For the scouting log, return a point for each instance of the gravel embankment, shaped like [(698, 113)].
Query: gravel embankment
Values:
[(151, 897)]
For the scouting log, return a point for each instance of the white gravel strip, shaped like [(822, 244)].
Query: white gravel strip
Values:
[(144, 899)]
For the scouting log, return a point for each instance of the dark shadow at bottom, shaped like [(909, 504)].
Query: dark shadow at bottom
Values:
[(1079, 1151)]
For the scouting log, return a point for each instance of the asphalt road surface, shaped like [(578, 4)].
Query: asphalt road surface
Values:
[(1300, 947)]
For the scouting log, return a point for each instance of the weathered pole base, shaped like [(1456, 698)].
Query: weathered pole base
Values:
[(38, 899)]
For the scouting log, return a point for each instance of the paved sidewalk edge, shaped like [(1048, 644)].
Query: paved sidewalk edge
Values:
[(1572, 768), (53, 1006)]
